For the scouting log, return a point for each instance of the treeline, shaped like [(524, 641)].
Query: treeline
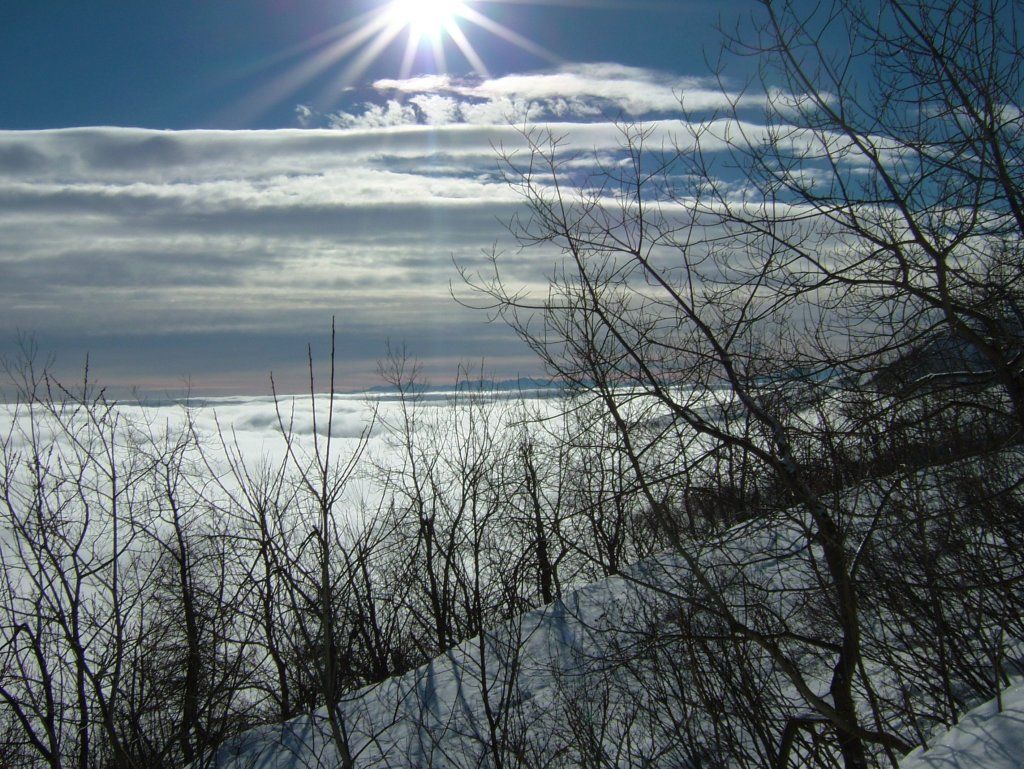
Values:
[(162, 591)]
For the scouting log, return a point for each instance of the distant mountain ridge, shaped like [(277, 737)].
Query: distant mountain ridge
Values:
[(472, 385)]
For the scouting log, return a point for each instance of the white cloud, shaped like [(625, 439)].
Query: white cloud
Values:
[(126, 234), (437, 110), (304, 114), (420, 84), (502, 111), (388, 115), (577, 91), (633, 96), (130, 233)]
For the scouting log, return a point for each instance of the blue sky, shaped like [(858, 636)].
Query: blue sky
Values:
[(189, 189), (182, 64)]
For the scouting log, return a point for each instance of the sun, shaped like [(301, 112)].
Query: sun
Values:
[(426, 18), (432, 29)]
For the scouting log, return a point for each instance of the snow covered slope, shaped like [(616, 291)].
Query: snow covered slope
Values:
[(437, 716), (577, 676), (986, 738)]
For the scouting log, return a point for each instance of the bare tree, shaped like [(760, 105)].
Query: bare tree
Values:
[(726, 324), (888, 179)]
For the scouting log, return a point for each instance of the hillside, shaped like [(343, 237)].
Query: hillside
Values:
[(622, 672), (435, 716), (986, 738)]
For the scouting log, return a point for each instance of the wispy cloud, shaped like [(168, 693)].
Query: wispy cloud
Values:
[(576, 91), (113, 236), (579, 93)]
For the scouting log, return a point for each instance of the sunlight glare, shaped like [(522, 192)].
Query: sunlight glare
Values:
[(426, 18), (430, 27)]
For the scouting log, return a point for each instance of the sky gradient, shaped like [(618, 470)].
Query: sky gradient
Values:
[(190, 190)]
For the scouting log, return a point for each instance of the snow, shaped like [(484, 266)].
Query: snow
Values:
[(544, 664), (985, 738), (557, 657), (429, 717), (435, 716)]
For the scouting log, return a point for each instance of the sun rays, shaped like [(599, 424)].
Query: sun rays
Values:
[(425, 18), (432, 30), (431, 25)]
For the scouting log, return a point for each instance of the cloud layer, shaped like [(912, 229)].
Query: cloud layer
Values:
[(216, 254), (578, 92), (111, 232)]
